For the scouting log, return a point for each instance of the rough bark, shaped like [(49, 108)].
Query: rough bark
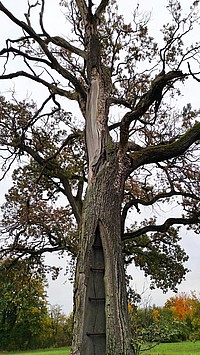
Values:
[(101, 326)]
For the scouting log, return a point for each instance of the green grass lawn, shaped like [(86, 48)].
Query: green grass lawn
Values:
[(183, 348), (63, 351)]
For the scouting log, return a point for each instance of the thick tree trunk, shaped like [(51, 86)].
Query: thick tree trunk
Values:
[(101, 318)]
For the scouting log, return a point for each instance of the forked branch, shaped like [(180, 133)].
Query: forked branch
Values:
[(101, 8), (154, 94)]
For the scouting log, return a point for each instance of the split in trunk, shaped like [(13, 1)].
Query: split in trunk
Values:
[(101, 317)]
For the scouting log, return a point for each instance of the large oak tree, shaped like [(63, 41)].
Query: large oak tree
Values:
[(104, 163)]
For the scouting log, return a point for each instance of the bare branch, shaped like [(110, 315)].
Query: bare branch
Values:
[(14, 157), (53, 88), (155, 154), (54, 63), (41, 19), (21, 24), (61, 42), (101, 8), (193, 75), (16, 52), (132, 146), (28, 14), (119, 101), (38, 114), (154, 94), (83, 9), (55, 170), (162, 228), (68, 140), (135, 202)]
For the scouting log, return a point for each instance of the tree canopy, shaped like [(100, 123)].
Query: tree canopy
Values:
[(48, 144)]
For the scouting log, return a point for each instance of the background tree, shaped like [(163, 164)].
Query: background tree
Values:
[(145, 156), (23, 305), (177, 320), (27, 321), (185, 309), (61, 326), (150, 325)]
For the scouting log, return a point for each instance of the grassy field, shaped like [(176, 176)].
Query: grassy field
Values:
[(63, 351), (183, 348)]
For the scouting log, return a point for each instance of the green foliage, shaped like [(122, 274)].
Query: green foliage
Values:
[(60, 326), (25, 319), (32, 209), (185, 310), (149, 328), (177, 321), (160, 256), (23, 305)]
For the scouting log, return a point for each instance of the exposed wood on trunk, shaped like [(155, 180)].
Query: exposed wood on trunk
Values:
[(101, 210), (95, 322), (93, 134)]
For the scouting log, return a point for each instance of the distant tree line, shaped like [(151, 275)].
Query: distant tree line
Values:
[(178, 320), (27, 321)]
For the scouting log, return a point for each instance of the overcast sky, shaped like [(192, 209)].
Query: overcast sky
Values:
[(60, 291)]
